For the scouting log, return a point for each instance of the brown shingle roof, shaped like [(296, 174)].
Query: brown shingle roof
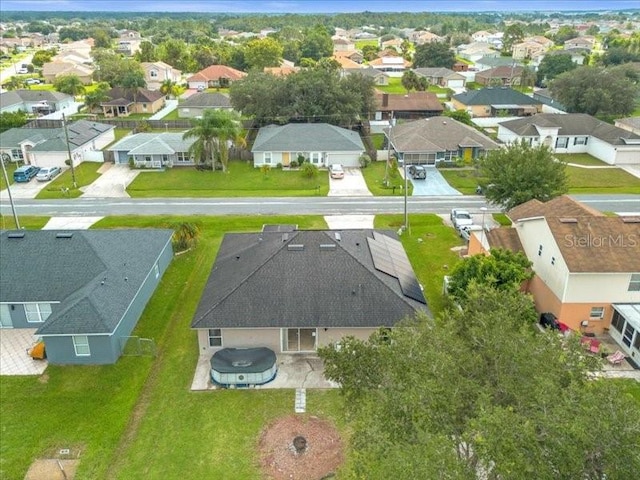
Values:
[(588, 240), (414, 101), (506, 238)]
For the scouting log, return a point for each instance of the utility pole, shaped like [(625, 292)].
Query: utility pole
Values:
[(6, 179), (66, 136)]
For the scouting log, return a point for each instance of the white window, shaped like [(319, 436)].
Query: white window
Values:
[(81, 345), (183, 157), (597, 313), (580, 140), (16, 154), (156, 270), (634, 284), (215, 337), (562, 142), (37, 312), (267, 157), (315, 157)]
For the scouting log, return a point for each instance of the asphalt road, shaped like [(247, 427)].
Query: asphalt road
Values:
[(625, 204)]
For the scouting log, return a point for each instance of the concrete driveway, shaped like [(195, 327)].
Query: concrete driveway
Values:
[(112, 183), (434, 184), (24, 190), (352, 185)]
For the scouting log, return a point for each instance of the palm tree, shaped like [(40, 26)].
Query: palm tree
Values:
[(69, 84), (185, 235), (214, 133), (168, 88), (92, 100)]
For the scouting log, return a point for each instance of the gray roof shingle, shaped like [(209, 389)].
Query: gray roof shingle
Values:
[(302, 137), (263, 280), (495, 96), (40, 267), (153, 143), (206, 100)]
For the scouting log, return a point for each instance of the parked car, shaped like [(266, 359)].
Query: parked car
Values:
[(25, 173), (417, 172), (33, 81), (200, 88), (22, 71), (336, 171), (48, 173), (460, 218), (465, 231)]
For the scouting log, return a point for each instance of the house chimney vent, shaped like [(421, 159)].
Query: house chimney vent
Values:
[(295, 247)]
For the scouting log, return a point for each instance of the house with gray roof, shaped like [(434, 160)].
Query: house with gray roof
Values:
[(575, 133), (320, 144), (437, 139), (82, 292), (496, 101), (196, 104), (154, 150), (47, 147), (379, 77), (294, 291), (34, 101), (443, 77)]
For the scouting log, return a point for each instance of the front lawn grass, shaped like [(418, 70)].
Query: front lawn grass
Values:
[(241, 180), (428, 243), (10, 167), (374, 176), (465, 180), (601, 180), (62, 186), (502, 219), (7, 222), (580, 159)]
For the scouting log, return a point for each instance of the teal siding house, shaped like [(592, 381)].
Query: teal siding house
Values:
[(83, 291)]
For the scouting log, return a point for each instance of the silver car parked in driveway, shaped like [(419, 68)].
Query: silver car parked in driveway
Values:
[(47, 173)]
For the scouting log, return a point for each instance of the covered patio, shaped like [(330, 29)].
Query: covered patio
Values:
[(14, 360)]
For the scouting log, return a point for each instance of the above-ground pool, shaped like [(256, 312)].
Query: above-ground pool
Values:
[(243, 367)]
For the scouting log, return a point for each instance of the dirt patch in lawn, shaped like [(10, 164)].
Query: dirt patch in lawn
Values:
[(300, 447), (52, 469)]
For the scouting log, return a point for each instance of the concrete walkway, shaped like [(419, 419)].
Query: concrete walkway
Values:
[(632, 169), (352, 185), (169, 106), (71, 223), (112, 183)]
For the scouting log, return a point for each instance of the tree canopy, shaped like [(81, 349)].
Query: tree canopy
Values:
[(69, 84), (264, 52), (434, 54), (596, 91), (521, 172), (480, 393), (553, 65)]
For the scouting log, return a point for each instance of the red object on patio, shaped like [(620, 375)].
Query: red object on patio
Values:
[(591, 344), (563, 327)]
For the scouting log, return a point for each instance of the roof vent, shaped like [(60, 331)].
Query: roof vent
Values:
[(16, 235), (568, 220), (295, 247), (338, 236), (285, 237), (631, 219), (64, 235), (328, 246)]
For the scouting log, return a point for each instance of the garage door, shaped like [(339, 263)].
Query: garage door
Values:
[(628, 157)]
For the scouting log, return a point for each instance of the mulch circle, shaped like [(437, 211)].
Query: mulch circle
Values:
[(321, 456)]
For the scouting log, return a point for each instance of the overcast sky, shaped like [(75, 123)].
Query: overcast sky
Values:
[(313, 6)]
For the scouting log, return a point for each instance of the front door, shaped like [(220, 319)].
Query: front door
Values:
[(285, 159), (5, 316), (298, 339)]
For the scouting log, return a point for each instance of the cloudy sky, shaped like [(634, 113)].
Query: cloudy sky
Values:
[(313, 6)]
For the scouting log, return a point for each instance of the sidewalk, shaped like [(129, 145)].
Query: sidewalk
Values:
[(169, 106)]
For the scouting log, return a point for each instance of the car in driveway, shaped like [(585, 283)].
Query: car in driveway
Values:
[(25, 173), (465, 231), (460, 218), (417, 172), (32, 81), (47, 173), (336, 171)]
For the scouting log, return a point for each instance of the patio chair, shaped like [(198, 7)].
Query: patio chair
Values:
[(616, 358), (594, 346)]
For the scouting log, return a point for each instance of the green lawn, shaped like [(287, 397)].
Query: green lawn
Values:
[(361, 43), (580, 159), (605, 180), (465, 180), (172, 115), (10, 168), (395, 86), (502, 219), (374, 176), (242, 180), (7, 222), (62, 186), (378, 140)]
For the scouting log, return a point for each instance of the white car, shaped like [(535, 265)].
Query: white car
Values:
[(460, 218), (336, 171), (47, 173), (465, 231), (22, 71)]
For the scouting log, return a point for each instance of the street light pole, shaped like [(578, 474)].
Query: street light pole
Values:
[(66, 136), (484, 210)]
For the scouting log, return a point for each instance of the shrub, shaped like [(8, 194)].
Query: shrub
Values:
[(309, 170), (265, 169), (301, 159), (293, 164), (279, 166), (365, 160)]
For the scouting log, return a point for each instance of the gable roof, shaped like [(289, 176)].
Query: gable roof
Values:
[(303, 137), (166, 143), (53, 139), (118, 95), (588, 240), (94, 274), (31, 96), (506, 238), (66, 68), (215, 72), (495, 96), (572, 124), (304, 279), (365, 71), (438, 72), (205, 99), (413, 101), (502, 71), (437, 134)]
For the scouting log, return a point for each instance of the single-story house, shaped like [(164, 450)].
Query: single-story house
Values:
[(34, 101), (294, 291), (319, 143), (154, 150), (123, 101), (476, 50), (196, 104), (393, 66), (47, 147), (379, 78), (575, 133), (436, 139), (496, 101), (215, 76), (631, 124), (488, 62), (51, 71), (83, 290), (410, 106), (442, 77), (156, 73), (500, 76)]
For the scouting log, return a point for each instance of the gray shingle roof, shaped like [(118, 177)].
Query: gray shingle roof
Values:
[(21, 96), (43, 268), (570, 124), (495, 96), (303, 137), (260, 280), (207, 100), (437, 134), (13, 137), (53, 139), (153, 143)]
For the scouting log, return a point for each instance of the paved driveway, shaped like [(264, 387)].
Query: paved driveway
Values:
[(23, 190), (112, 182), (352, 185), (434, 184)]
